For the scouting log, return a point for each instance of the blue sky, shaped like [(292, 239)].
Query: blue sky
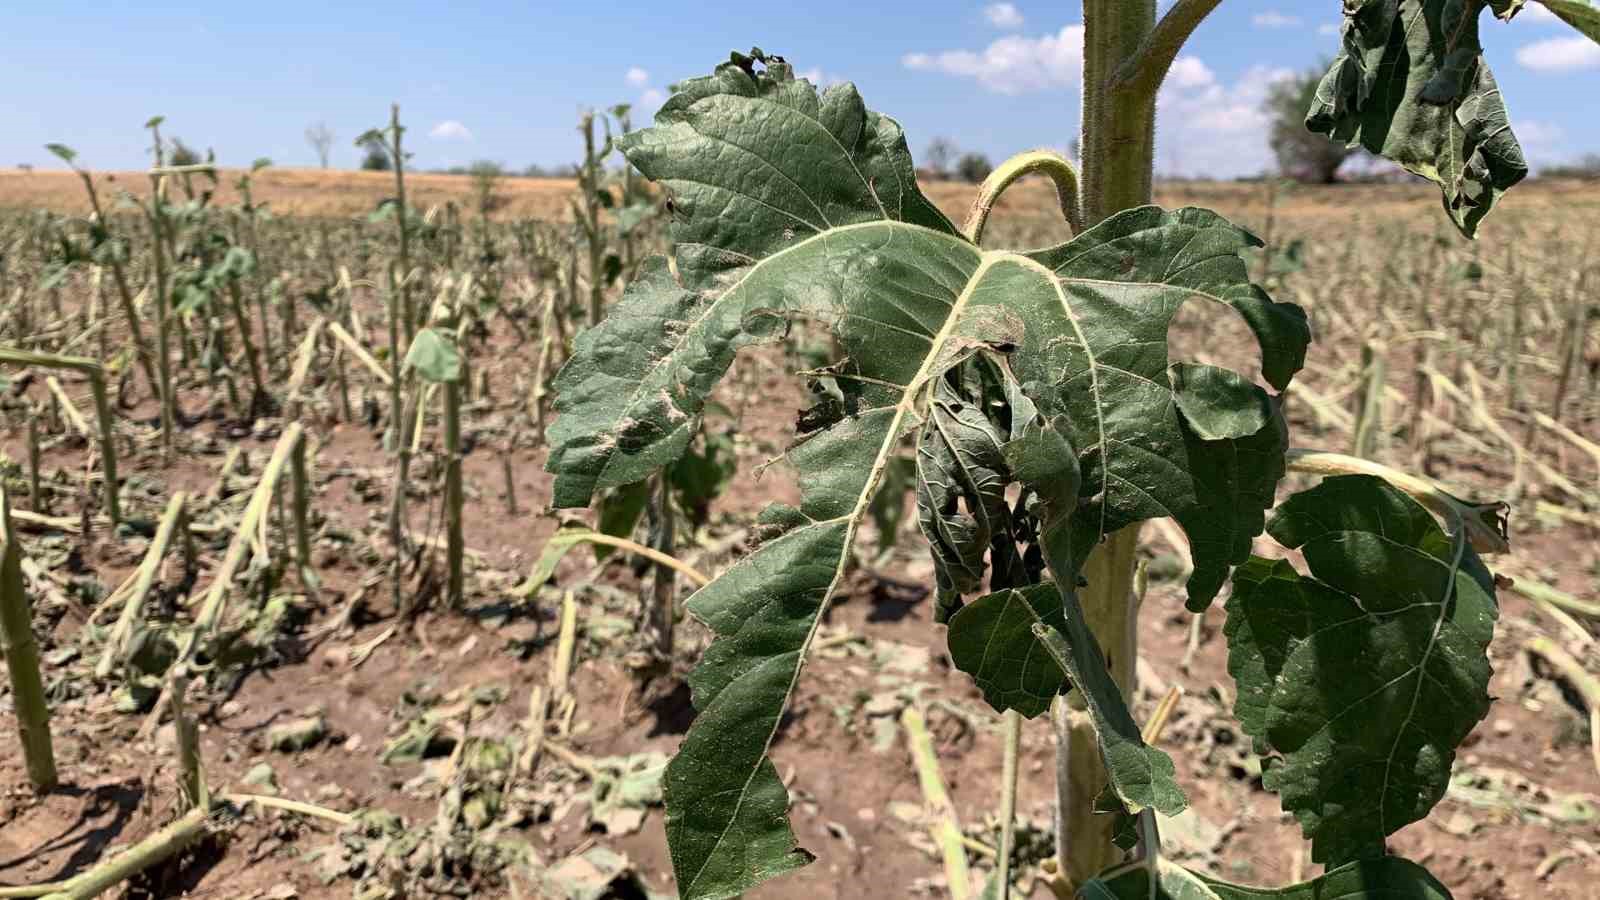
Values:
[(506, 81)]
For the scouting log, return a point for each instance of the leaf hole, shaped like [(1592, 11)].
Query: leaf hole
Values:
[(1211, 334)]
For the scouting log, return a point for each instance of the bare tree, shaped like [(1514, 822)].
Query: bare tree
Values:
[(1302, 154), (320, 137), (940, 156)]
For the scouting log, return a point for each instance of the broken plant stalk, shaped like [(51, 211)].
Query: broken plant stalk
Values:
[(22, 658), (1586, 683), (102, 404), (946, 828), (134, 605)]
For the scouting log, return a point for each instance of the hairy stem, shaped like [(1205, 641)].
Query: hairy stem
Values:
[(1119, 123), (1118, 171), (1145, 70), (1084, 845), (1035, 162)]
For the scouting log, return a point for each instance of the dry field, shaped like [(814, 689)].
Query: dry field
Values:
[(301, 192), (515, 735)]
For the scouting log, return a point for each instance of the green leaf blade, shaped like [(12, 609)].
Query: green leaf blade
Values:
[(1098, 355), (432, 355), (1410, 84), (992, 640), (727, 810), (1363, 679)]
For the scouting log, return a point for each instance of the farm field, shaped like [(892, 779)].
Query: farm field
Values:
[(504, 737)]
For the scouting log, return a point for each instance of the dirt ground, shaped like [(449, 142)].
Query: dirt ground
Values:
[(1522, 819)]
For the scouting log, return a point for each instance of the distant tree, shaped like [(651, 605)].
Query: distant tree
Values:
[(183, 154), (941, 153), (1586, 166), (320, 137), (1302, 154), (25, 167), (486, 175), (375, 156), (973, 167)]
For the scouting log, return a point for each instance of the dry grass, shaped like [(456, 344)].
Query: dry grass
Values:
[(338, 192), (309, 192)]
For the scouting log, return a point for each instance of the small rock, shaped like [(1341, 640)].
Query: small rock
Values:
[(263, 778), (298, 734), (1503, 727)]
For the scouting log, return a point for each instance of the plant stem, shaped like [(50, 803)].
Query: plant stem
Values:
[(403, 220), (1084, 845), (141, 347), (1118, 170), (591, 225), (663, 593), (35, 492), (146, 577), (191, 776), (1008, 800), (301, 477), (1118, 137), (148, 852), (1369, 399), (452, 493), (400, 445), (158, 293), (22, 658), (253, 359), (102, 403), (1145, 70), (1485, 523), (1037, 162), (946, 827)]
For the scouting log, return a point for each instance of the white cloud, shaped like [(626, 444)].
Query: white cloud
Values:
[(450, 130), (820, 78), (1535, 132), (1012, 64), (1328, 29), (652, 99), (1208, 127), (1560, 55), (1274, 19), (637, 77), (1189, 72), (1003, 15)]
